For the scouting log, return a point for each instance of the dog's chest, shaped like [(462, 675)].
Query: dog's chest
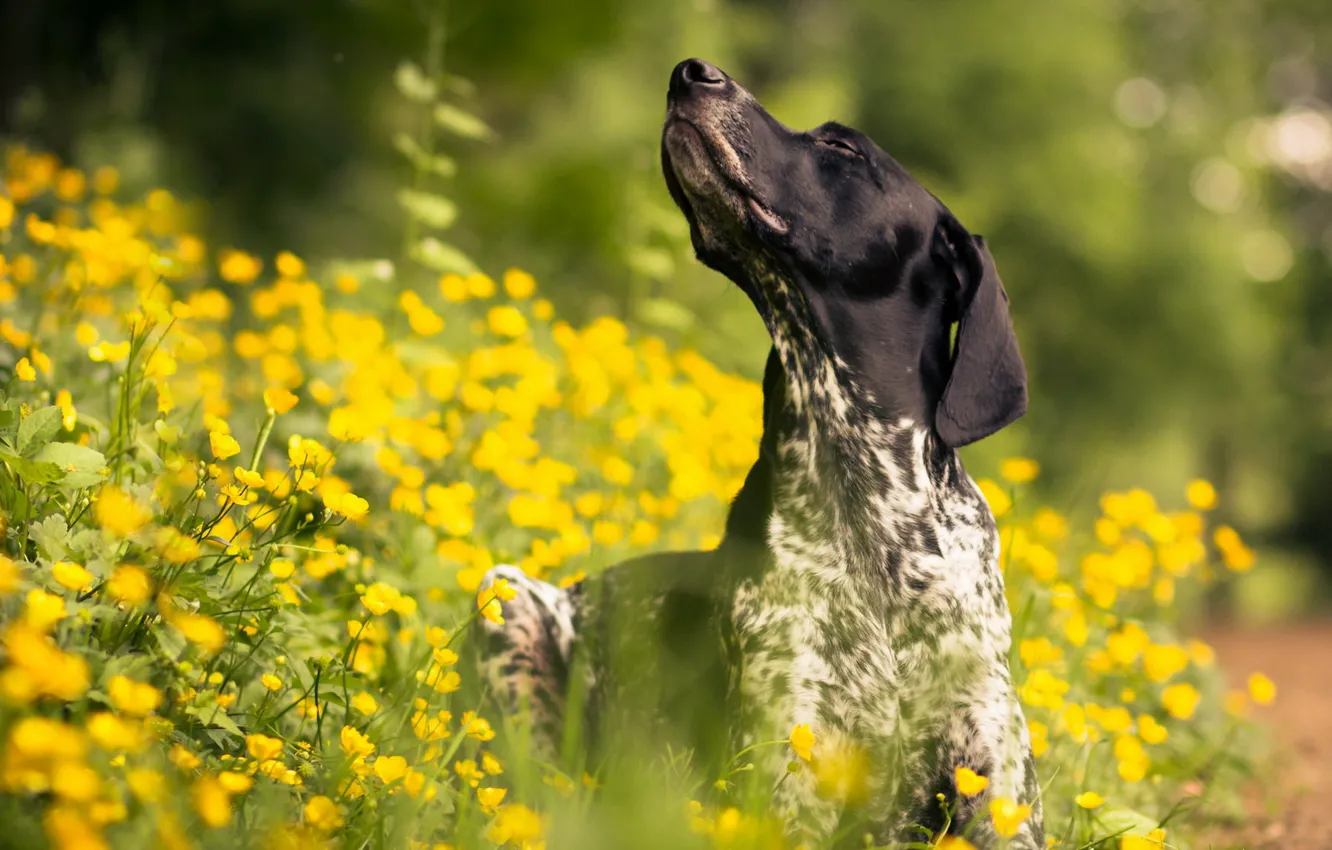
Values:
[(870, 614)]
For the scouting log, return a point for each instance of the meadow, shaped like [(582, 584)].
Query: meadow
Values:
[(246, 503)]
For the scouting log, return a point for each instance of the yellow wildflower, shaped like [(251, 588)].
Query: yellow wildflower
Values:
[(137, 699), (118, 512), (323, 814), (71, 576), (1262, 689), (1180, 700), (262, 747), (1154, 840), (223, 445), (129, 585), (1007, 816), (802, 741), (279, 399), (1019, 470), (1201, 494), (365, 703), (968, 782), (390, 769), (1089, 800)]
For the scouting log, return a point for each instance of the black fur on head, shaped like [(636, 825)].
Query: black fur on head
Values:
[(879, 267)]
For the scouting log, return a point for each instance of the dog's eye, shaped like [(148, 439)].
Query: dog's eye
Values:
[(838, 145)]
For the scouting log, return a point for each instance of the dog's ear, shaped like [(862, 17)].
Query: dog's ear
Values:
[(988, 385)]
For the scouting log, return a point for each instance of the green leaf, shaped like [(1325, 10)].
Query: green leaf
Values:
[(50, 534), (653, 263), (461, 123), (171, 641), (37, 429), (418, 156), (413, 84), (431, 210), (665, 313), (31, 471), (83, 467), (218, 717), (301, 671), (437, 256), (1120, 821), (8, 418)]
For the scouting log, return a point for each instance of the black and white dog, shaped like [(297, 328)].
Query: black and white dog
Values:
[(858, 588)]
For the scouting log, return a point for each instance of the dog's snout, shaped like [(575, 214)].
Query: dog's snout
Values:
[(693, 75)]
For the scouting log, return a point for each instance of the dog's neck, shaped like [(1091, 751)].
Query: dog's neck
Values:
[(839, 465)]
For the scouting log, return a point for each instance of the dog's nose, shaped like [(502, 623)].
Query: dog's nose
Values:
[(695, 74)]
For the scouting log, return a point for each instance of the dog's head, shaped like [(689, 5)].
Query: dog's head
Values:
[(872, 264)]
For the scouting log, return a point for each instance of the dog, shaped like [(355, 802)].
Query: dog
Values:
[(857, 588)]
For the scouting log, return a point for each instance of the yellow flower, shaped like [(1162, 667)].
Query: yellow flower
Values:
[(279, 399), (380, 598), (518, 826), (129, 585), (1161, 661), (506, 320), (519, 284), (69, 416), (183, 758), (349, 505), (480, 286), (262, 747), (238, 267), (43, 610), (212, 801), (355, 744), (468, 772), (223, 445), (113, 734), (1201, 494), (365, 703), (9, 575), (802, 741), (490, 798), (995, 496), (289, 265), (1154, 840), (71, 576), (271, 682), (1262, 689), (118, 512), (137, 699), (476, 727), (201, 630), (1180, 700), (323, 814), (1151, 730), (1089, 800), (1007, 816), (969, 783), (390, 769), (1019, 470), (147, 785), (953, 842), (24, 371), (488, 599)]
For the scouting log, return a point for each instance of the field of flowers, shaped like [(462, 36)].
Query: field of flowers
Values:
[(245, 504)]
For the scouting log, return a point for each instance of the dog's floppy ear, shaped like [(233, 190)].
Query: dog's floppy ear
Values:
[(988, 385)]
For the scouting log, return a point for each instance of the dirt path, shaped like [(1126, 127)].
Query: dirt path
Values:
[(1292, 811)]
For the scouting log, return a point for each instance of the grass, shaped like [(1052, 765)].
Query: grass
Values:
[(246, 506)]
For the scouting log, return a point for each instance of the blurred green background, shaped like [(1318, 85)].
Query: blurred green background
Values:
[(1154, 178)]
